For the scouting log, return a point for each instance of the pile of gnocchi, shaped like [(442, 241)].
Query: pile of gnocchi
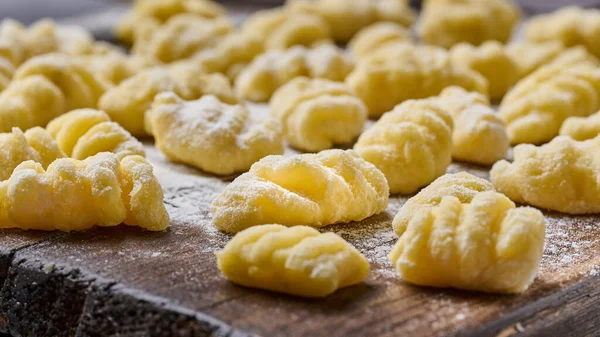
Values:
[(72, 110)]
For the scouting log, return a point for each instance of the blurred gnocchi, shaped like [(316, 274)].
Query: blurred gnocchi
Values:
[(376, 36)]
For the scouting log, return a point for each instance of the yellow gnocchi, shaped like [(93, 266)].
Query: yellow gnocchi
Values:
[(213, 136), (562, 175), (318, 113), (271, 70), (462, 185), (317, 190), (77, 195), (581, 128), (572, 26), (83, 133), (529, 56), (45, 87), (411, 145), (491, 60), (394, 74), (536, 107), (448, 22), (35, 144), (376, 36), (485, 245), (479, 135), (297, 260), (127, 103)]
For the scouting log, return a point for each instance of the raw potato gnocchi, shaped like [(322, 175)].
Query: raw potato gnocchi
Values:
[(536, 107), (462, 185), (529, 56), (83, 133), (376, 36), (491, 60), (447, 22), (35, 144), (318, 113), (486, 245), (411, 145), (479, 135), (271, 70), (281, 29), (127, 102), (213, 136), (297, 260), (563, 175), (45, 87), (317, 190), (347, 17), (581, 128), (77, 195), (572, 26), (395, 74)]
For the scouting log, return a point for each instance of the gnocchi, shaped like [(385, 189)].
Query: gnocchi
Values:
[(581, 128), (376, 36), (486, 245), (297, 260), (333, 186), (529, 56)]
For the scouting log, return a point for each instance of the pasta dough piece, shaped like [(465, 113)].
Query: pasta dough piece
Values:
[(127, 102), (160, 11), (77, 195), (563, 175), (83, 133), (271, 70), (486, 245), (479, 135), (572, 26), (394, 74), (45, 87), (333, 186), (581, 128), (462, 185), (181, 37), (318, 113), (348, 17), (530, 56), (492, 61), (16, 147), (282, 29), (447, 22), (411, 145), (376, 36), (297, 260), (211, 135), (536, 107)]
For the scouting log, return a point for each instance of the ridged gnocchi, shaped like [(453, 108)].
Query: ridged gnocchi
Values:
[(394, 74), (462, 185), (347, 17), (479, 135), (318, 113), (35, 144), (411, 145), (448, 22), (536, 107), (45, 87), (572, 26), (491, 60), (77, 195), (213, 136), (563, 175), (581, 128), (297, 260), (485, 245), (281, 29), (271, 70), (83, 133), (127, 102), (529, 56), (317, 190), (378, 35)]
